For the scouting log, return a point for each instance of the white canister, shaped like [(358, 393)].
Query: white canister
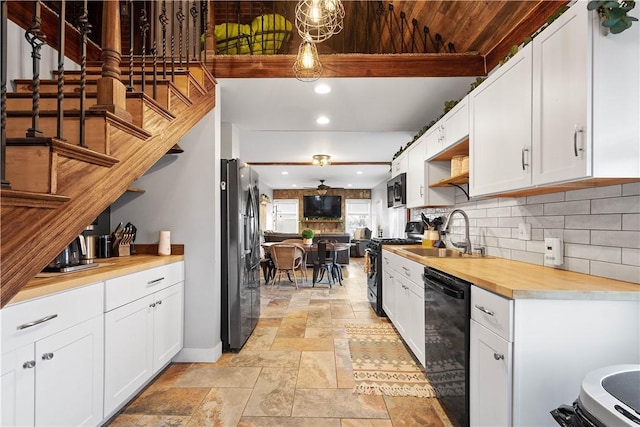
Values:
[(164, 243)]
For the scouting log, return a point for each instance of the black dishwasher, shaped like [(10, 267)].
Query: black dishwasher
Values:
[(447, 305)]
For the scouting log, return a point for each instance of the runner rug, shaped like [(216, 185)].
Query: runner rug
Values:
[(382, 364)]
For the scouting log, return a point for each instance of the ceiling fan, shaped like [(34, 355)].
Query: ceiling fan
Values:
[(322, 188)]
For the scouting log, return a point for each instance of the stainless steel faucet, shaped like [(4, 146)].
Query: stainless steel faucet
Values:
[(467, 240)]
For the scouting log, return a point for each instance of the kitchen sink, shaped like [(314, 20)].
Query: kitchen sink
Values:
[(444, 253)]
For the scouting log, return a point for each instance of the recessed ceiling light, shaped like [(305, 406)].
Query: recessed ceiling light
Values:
[(322, 88), (349, 185), (284, 173), (294, 185), (322, 120), (359, 172)]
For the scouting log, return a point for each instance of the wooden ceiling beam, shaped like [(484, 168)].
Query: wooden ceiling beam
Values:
[(352, 65), (528, 25)]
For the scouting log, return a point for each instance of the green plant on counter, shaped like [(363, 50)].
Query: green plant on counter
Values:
[(307, 233), (614, 14)]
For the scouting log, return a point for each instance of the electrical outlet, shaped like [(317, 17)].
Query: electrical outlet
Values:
[(524, 231)]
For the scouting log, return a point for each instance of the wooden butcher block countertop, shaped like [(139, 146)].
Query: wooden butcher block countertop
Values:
[(48, 283), (515, 279)]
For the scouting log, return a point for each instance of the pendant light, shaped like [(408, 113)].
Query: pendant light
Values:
[(319, 19), (307, 67)]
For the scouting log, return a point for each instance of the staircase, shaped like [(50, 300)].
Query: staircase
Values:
[(58, 187)]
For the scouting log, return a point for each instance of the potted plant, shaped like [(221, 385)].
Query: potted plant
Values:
[(614, 14), (307, 236)]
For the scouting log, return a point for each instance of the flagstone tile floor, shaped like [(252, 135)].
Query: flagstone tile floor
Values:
[(295, 370)]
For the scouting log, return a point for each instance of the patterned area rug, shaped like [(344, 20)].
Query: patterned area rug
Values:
[(382, 364)]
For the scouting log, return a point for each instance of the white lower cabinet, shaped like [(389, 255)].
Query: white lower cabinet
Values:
[(403, 300), (52, 365), (143, 335), (528, 356), (490, 378)]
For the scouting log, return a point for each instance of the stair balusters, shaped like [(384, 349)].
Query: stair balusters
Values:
[(85, 29), (196, 40), (163, 22), (173, 14), (154, 49), (131, 35), (143, 24), (180, 17), (188, 36), (36, 39), (61, 49), (205, 15), (3, 88)]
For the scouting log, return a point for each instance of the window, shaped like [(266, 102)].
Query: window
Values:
[(358, 214)]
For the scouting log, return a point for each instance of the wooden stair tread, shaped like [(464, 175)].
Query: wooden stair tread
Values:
[(27, 199)]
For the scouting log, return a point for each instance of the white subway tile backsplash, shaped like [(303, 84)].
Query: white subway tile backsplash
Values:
[(487, 222), (545, 198), (511, 222), (576, 236), (546, 221), (593, 222), (594, 193), (567, 208), (631, 256), (530, 257), (512, 201), (536, 246), (578, 265), (520, 245), (631, 222), (628, 273), (499, 212), (527, 210), (600, 228), (598, 253), (629, 204), (631, 189), (624, 239)]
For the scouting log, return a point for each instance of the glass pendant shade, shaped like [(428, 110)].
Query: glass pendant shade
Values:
[(319, 19), (307, 67)]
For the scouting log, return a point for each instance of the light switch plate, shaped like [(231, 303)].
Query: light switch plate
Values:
[(524, 231)]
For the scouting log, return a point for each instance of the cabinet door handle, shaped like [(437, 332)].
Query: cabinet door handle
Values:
[(421, 190), (37, 322), (576, 131), (153, 282), (484, 310), (524, 165), (406, 270), (498, 356), (29, 364), (158, 302), (153, 304), (47, 356)]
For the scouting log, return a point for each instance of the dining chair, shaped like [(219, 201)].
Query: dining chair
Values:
[(267, 265), (287, 258), (322, 262), (336, 268)]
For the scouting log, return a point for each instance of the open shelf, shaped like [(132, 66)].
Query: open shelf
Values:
[(460, 149), (463, 178)]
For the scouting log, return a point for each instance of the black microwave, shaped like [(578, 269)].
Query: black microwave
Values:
[(397, 191)]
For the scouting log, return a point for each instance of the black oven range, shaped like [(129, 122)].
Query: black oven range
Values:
[(374, 274)]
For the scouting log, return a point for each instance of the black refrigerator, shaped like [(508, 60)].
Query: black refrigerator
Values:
[(240, 253)]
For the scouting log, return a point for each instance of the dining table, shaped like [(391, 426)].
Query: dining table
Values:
[(331, 247)]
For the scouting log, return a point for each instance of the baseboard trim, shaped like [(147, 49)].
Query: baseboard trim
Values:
[(201, 355)]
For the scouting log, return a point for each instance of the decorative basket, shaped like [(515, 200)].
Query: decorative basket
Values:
[(459, 165)]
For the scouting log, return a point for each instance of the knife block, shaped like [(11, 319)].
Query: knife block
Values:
[(122, 249)]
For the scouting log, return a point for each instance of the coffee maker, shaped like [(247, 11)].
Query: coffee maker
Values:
[(78, 255)]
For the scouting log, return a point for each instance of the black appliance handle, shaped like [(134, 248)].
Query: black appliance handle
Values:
[(443, 288)]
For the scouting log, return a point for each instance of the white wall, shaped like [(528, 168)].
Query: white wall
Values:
[(379, 210), (182, 195), (600, 228)]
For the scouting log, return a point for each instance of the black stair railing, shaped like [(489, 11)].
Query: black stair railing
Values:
[(205, 15), (36, 38), (3, 88), (180, 16), (187, 37), (163, 23), (84, 27), (154, 49), (61, 50), (131, 36), (173, 38), (196, 39), (143, 23)]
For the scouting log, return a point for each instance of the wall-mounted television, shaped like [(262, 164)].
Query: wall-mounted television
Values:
[(322, 207)]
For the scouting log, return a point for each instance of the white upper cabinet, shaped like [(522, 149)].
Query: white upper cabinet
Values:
[(500, 129), (420, 173), (455, 124), (585, 100), (399, 164)]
